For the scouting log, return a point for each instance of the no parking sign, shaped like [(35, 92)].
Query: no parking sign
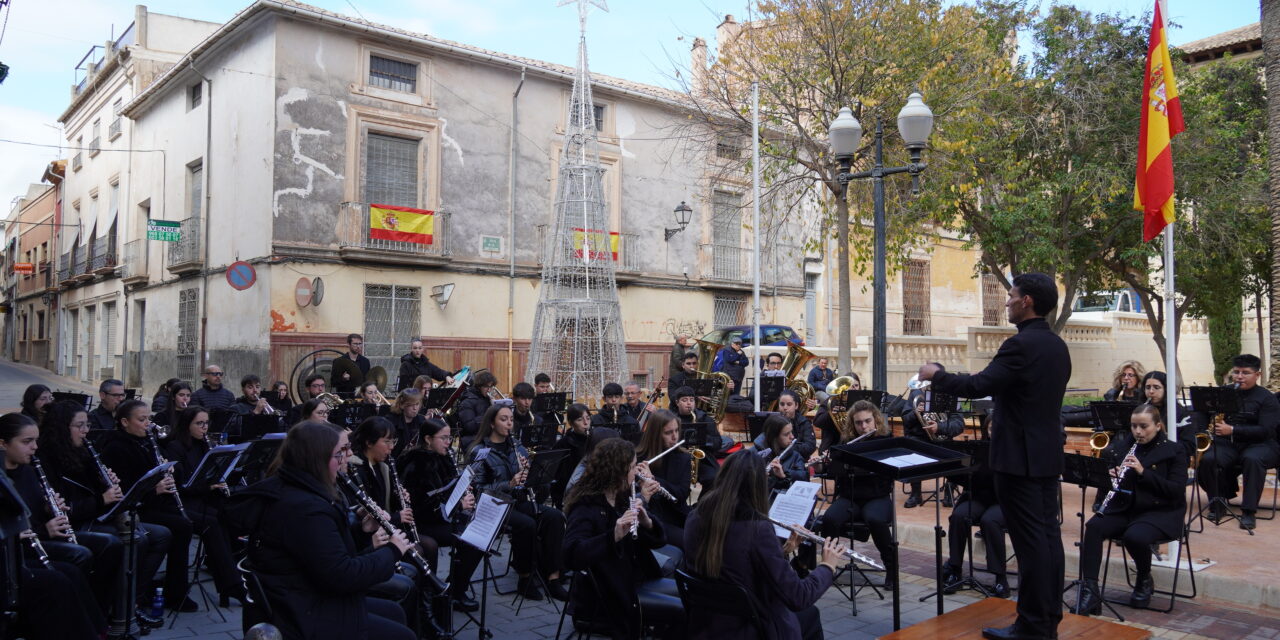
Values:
[(241, 275)]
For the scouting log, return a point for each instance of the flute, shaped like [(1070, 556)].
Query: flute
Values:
[(817, 539), (673, 448), (52, 498), (635, 504), (780, 455)]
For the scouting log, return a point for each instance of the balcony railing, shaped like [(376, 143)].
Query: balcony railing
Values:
[(629, 250), (116, 127), (81, 265), (95, 146), (726, 262), (103, 258), (134, 267), (65, 267), (355, 241), (77, 161), (184, 255)]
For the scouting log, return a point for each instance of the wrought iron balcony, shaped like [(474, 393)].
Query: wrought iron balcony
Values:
[(356, 243), (726, 263), (77, 161), (134, 267), (184, 255), (103, 259), (115, 129)]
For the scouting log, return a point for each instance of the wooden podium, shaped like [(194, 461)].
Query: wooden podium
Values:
[(966, 623)]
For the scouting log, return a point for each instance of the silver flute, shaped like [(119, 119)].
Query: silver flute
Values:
[(780, 455), (635, 504), (817, 539), (673, 448), (52, 497)]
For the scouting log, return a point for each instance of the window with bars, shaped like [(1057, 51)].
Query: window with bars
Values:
[(396, 75), (729, 310), (392, 320), (188, 338), (729, 147), (91, 345), (726, 219), (391, 170), (915, 298), (993, 295)]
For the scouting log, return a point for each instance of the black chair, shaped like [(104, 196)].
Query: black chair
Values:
[(1129, 573), (582, 626), (1275, 492), (702, 597), (256, 606)]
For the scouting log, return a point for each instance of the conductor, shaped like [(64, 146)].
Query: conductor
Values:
[(1027, 380)]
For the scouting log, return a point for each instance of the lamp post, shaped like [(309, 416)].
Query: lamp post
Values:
[(682, 218), (915, 123)]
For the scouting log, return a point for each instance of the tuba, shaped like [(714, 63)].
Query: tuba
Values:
[(793, 365), (836, 389), (719, 399)]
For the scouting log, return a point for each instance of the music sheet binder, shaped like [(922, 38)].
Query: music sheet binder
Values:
[(484, 528), (215, 466), (145, 486)]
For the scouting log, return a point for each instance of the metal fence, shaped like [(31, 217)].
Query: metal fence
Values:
[(187, 249), (353, 231), (392, 319)]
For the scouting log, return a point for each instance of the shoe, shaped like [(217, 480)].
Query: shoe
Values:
[(528, 589), (1143, 587), (1001, 588), (224, 599), (1216, 512), (464, 604), (888, 584), (146, 621), (951, 578), (188, 606), (1014, 632), (555, 589), (913, 501), (1247, 521), (1089, 602)]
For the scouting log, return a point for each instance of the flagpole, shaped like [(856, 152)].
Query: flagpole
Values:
[(755, 232)]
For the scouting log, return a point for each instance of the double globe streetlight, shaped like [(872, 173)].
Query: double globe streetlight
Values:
[(915, 123)]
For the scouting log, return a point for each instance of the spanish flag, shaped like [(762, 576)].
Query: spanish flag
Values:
[(401, 224), (596, 240), (1161, 121)]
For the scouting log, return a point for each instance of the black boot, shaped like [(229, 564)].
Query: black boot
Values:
[(1089, 602), (913, 501), (951, 577), (1142, 589)]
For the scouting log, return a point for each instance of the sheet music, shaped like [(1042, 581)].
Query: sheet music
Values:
[(484, 526), (459, 488), (908, 460), (790, 509), (805, 489)]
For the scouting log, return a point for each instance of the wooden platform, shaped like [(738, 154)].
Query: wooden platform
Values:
[(966, 623)]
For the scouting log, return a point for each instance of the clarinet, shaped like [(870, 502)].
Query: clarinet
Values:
[(102, 468), (404, 499), (376, 514), (1115, 483), (155, 447), (39, 549), (52, 498)]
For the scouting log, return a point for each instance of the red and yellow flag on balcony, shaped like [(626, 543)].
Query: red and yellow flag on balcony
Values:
[(1161, 121), (401, 224), (596, 240)]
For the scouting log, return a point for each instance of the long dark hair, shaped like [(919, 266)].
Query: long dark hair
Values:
[(55, 435), (606, 471), (740, 486), (651, 438), (773, 426), (486, 425), (306, 449), (308, 408), (171, 410), (29, 398), (369, 432), (429, 429), (182, 430)]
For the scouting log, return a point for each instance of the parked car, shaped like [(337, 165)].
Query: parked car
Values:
[(775, 335), (1097, 302)]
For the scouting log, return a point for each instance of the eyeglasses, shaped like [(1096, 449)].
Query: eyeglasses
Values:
[(342, 453)]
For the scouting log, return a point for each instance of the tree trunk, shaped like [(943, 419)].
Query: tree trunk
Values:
[(845, 337), (1271, 55)]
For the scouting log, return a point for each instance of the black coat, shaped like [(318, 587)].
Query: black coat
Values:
[(422, 472), (1159, 494), (1027, 380), (807, 440), (793, 466), (713, 443), (340, 386), (753, 560), (27, 482), (188, 459), (501, 464), (618, 566), (576, 445), (471, 408), (101, 420), (408, 433), (301, 549), (625, 424), (131, 457), (949, 427), (80, 485), (1257, 420), (411, 368), (209, 398)]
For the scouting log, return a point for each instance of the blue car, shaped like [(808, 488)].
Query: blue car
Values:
[(775, 335)]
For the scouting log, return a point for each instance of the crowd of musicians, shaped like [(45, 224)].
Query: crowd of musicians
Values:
[(342, 534)]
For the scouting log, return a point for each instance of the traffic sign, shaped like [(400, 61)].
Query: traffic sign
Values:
[(302, 292), (241, 275), (164, 230)]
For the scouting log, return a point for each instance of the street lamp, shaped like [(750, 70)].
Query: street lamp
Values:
[(682, 218), (915, 123)]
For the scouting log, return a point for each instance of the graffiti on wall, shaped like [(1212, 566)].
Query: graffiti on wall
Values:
[(673, 327)]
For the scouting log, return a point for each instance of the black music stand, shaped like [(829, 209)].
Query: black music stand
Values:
[(755, 423), (852, 396), (903, 460), (82, 399), (979, 452), (629, 431), (771, 389), (216, 465), (488, 552), (1084, 472), (543, 466), (254, 426), (1112, 417), (125, 515), (437, 397), (251, 466), (1214, 401), (538, 436)]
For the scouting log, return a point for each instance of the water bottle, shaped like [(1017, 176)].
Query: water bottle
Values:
[(157, 604)]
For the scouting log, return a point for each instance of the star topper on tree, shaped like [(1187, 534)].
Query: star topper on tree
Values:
[(582, 9)]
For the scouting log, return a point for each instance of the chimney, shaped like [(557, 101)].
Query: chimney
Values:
[(698, 66), (727, 32)]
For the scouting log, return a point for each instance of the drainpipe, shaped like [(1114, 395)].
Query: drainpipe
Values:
[(204, 213), (511, 230)]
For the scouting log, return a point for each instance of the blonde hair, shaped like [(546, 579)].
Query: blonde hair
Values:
[(882, 427)]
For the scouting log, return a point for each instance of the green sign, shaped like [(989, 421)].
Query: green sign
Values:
[(491, 244), (164, 230)]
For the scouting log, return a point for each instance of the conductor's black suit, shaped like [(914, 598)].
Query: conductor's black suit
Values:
[(1027, 380)]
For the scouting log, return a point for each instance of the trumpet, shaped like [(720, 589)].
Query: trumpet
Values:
[(817, 539), (53, 499)]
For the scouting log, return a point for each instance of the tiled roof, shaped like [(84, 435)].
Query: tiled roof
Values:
[(1247, 33)]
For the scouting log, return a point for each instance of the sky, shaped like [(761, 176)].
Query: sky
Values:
[(640, 40)]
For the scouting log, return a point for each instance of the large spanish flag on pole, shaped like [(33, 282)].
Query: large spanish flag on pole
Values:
[(1161, 121), (401, 224)]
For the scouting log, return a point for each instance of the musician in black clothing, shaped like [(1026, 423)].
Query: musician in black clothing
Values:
[(371, 463), (633, 401), (690, 417), (34, 401), (504, 471), (1153, 387), (212, 394), (976, 506), (187, 447), (1243, 443), (407, 419), (824, 421), (315, 387), (342, 382), (252, 402), (1126, 383), (428, 473), (472, 406), (415, 363), (542, 383), (926, 427), (130, 454), (180, 398), (789, 408), (161, 400), (674, 471), (528, 427), (1155, 472), (612, 415), (574, 441), (688, 371), (278, 397), (865, 497), (782, 467), (110, 395), (1027, 380)]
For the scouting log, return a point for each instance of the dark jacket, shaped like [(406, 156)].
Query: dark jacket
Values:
[(301, 549), (411, 368), (753, 560), (471, 408), (617, 566), (407, 434), (818, 378), (131, 457), (792, 465), (100, 419), (804, 432), (713, 443), (1257, 420), (1133, 397), (1159, 494), (1027, 380), (422, 472), (677, 359), (27, 482), (625, 424), (501, 464), (81, 486), (160, 402), (211, 399), (733, 364), (337, 384), (188, 460)]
